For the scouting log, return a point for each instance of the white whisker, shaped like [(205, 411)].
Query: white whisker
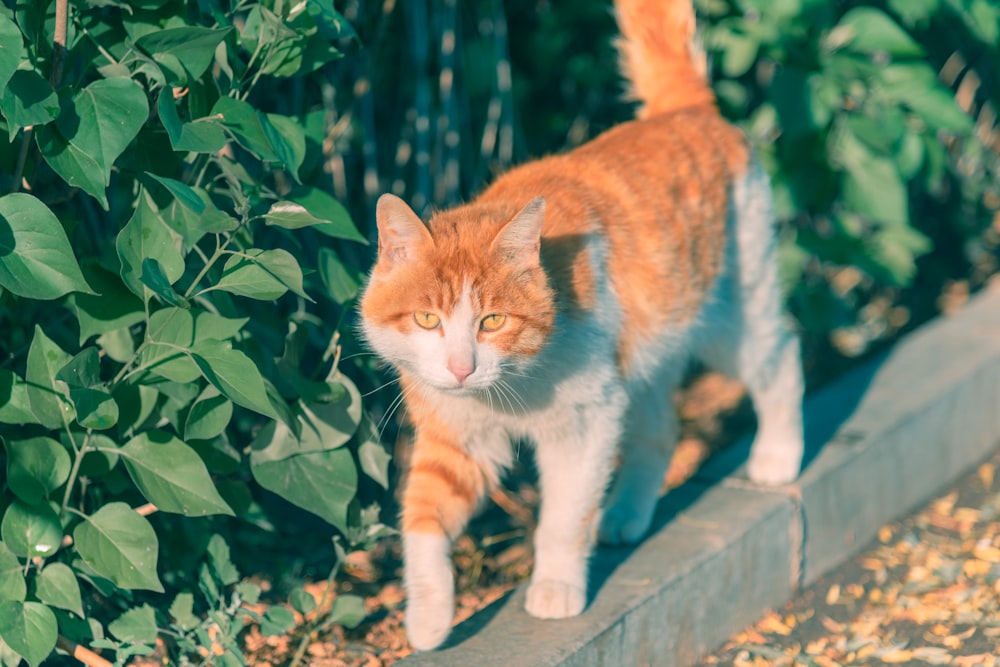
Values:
[(379, 388)]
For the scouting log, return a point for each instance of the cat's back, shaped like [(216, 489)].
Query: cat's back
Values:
[(658, 191)]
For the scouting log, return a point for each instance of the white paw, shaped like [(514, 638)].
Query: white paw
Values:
[(773, 466), (428, 618), (622, 524), (430, 589), (554, 599)]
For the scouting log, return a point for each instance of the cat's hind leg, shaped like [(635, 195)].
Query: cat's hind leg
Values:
[(647, 446), (750, 339)]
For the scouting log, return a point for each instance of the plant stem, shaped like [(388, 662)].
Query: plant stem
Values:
[(78, 454)]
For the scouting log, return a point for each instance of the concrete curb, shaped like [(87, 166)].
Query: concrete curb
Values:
[(880, 440)]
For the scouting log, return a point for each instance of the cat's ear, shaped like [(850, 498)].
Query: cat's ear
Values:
[(401, 232), (520, 239)]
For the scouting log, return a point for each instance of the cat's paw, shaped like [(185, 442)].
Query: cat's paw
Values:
[(773, 466), (430, 603), (623, 525), (554, 599)]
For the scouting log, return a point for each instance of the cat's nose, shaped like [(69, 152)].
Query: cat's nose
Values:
[(461, 370)]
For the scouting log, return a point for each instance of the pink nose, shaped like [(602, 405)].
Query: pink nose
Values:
[(461, 371)]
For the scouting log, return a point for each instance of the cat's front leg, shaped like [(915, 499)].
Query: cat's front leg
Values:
[(574, 457), (444, 486)]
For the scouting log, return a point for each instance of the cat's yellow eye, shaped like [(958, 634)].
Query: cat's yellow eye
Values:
[(493, 322), (426, 320)]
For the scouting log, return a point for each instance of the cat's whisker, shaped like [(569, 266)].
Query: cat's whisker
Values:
[(393, 407), (379, 388)]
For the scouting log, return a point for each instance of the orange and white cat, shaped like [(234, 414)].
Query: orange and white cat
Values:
[(561, 306)]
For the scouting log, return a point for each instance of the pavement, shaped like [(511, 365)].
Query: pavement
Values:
[(880, 441)]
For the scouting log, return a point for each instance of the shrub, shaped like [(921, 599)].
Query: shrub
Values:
[(172, 289)]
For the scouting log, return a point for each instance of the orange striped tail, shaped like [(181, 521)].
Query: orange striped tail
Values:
[(660, 56)]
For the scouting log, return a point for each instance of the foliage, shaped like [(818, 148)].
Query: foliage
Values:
[(171, 296), (874, 158)]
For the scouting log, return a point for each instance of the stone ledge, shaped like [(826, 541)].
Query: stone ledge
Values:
[(880, 440)]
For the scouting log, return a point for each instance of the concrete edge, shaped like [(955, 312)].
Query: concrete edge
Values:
[(881, 440)]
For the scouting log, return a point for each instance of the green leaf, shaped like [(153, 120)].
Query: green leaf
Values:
[(56, 586), (290, 215), (147, 236), (36, 260), (48, 397), (372, 456), (36, 467), (323, 483), (200, 136), (276, 621), (340, 282), (182, 611), (120, 545), (331, 23), (116, 308), (876, 190), (209, 416), (348, 610), (29, 628), (95, 407), (135, 626), (323, 206), (288, 139), (89, 135), (174, 332), (28, 100), (220, 562), (11, 48), (192, 47), (31, 530), (171, 475), (196, 200), (262, 274), (155, 278), (302, 601), (913, 12), (15, 406), (12, 586), (870, 30), (323, 426), (246, 125), (234, 375)]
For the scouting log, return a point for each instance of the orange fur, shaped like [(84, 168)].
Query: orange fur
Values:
[(660, 57)]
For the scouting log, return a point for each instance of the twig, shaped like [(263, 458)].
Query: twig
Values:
[(84, 655)]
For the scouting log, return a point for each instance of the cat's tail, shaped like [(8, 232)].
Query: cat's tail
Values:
[(660, 55)]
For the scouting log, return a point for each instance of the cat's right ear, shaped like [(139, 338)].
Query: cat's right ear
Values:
[(401, 232)]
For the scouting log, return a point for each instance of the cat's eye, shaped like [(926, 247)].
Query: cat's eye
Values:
[(426, 320), (493, 322)]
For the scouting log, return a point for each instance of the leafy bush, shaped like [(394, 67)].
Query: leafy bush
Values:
[(872, 158), (171, 289)]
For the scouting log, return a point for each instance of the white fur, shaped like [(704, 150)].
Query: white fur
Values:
[(572, 402), (429, 584)]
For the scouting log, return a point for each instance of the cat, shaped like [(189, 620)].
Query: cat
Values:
[(562, 306)]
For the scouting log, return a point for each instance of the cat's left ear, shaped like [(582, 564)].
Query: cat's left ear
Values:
[(520, 239), (401, 232)]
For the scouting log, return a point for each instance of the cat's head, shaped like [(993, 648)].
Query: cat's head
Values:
[(461, 302)]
